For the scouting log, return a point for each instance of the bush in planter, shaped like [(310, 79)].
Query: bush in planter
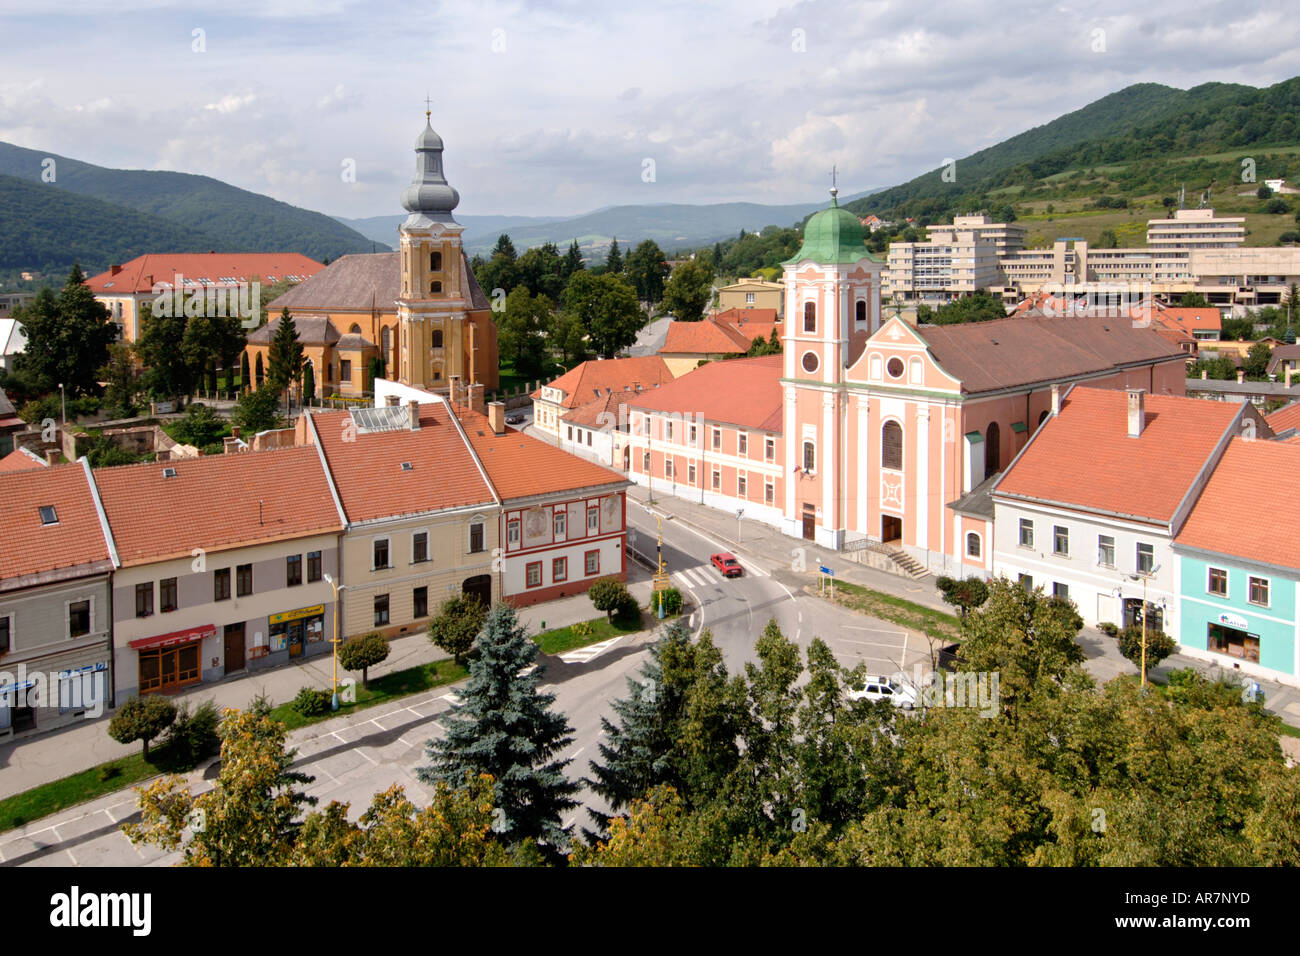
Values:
[(1159, 645), (1107, 628), (672, 601), (311, 702)]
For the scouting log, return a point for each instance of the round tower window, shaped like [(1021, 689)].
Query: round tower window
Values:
[(810, 362), (895, 368)]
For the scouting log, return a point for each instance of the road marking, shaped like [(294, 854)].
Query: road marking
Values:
[(584, 654), (576, 752), (372, 760), (758, 570), (71, 857)]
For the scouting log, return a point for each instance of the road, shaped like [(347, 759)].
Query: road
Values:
[(355, 757)]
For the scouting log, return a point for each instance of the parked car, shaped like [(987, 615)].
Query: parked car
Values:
[(726, 563), (886, 688), (515, 419)]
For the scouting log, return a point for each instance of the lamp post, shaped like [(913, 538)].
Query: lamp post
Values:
[(334, 700), (740, 513), (63, 406), (1144, 577)]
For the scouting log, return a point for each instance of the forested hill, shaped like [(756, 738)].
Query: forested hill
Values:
[(1141, 122), (227, 219)]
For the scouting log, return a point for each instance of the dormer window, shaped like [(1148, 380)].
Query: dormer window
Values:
[(407, 466), (48, 515), (169, 472)]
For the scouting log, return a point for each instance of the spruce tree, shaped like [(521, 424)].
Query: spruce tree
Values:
[(285, 354), (505, 727), (614, 261), (572, 261)]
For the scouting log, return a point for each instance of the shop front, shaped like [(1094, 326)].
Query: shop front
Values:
[(168, 662), (299, 632)]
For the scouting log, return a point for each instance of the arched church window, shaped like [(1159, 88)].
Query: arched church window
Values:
[(809, 457), (891, 446), (355, 330), (860, 311), (810, 317), (437, 338), (435, 262)]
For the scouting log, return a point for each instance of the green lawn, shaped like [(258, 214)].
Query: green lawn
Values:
[(402, 683), (897, 610), (564, 639), (60, 794)]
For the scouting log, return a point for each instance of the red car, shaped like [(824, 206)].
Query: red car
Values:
[(726, 563)]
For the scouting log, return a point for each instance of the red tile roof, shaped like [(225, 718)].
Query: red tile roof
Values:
[(367, 466), (1285, 418), (215, 502), (727, 333), (1220, 523), (605, 410), (1193, 320), (521, 466), (20, 459), (744, 392), (1084, 457), (588, 381), (142, 272), (31, 547)]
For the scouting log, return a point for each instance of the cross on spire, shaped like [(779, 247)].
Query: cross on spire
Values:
[(428, 106), (835, 189)]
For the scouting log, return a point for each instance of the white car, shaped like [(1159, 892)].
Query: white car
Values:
[(886, 688)]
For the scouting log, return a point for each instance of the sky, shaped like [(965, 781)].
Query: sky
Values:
[(557, 108)]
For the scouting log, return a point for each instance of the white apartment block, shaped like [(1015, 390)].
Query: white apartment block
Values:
[(1196, 229)]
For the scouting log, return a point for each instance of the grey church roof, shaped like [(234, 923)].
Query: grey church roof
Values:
[(363, 282), (429, 198)]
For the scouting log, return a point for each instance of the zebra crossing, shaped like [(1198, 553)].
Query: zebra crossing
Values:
[(584, 654), (706, 575)]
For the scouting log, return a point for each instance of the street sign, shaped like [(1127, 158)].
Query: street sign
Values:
[(826, 570)]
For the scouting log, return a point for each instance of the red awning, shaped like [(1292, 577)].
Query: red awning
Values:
[(175, 637)]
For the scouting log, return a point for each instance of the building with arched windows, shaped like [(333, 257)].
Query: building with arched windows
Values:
[(419, 309)]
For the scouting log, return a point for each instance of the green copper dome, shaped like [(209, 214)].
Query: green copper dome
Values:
[(833, 235)]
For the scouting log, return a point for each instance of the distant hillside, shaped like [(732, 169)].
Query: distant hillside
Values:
[(48, 229), (672, 225), (230, 219), (1142, 122)]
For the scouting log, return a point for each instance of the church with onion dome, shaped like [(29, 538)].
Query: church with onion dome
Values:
[(418, 310)]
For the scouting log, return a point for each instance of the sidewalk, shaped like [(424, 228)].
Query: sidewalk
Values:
[(31, 761), (770, 547)]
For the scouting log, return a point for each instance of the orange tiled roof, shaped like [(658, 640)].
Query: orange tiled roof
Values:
[(703, 338), (1220, 523), (605, 410), (745, 392), (32, 547), (1084, 457), (142, 272), (215, 502), (368, 474), (1285, 418), (20, 459), (521, 466), (585, 383), (1193, 320)]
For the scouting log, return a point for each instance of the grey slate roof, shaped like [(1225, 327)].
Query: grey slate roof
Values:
[(311, 329), (362, 282), (977, 502)]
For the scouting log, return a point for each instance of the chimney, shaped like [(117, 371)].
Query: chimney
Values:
[(1204, 374), (1137, 411), (413, 415), (234, 431), (1056, 400), (496, 415), (52, 456), (114, 269), (477, 398), (392, 401), (1241, 376)]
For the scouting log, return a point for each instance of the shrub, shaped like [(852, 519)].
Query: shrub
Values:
[(193, 736), (1106, 627), (1159, 645), (1065, 607), (311, 702), (142, 719), (672, 600), (362, 653), (582, 629), (457, 625), (609, 595)]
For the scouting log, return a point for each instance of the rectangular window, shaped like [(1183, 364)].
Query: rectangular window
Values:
[(645, 462), (512, 532), (740, 486), (1218, 582), (476, 544), (717, 480), (769, 493), (593, 519), (561, 522), (243, 580), (559, 570), (292, 570), (1061, 591), (668, 467), (420, 602), (742, 443), (769, 449), (690, 473), (381, 610), (167, 594), (379, 554), (668, 431), (221, 584), (1106, 550), (313, 566), (1026, 533), (345, 370), (419, 547), (78, 618), (6, 630), (692, 439), (1146, 558), (1061, 540), (591, 562), (717, 439), (534, 574), (1026, 581), (144, 599), (1259, 591), (570, 433)]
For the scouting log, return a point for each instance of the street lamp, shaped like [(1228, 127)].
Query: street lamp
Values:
[(1144, 577), (63, 406), (334, 700), (740, 513)]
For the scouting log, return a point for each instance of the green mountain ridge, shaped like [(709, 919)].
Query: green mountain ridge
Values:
[(212, 215)]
